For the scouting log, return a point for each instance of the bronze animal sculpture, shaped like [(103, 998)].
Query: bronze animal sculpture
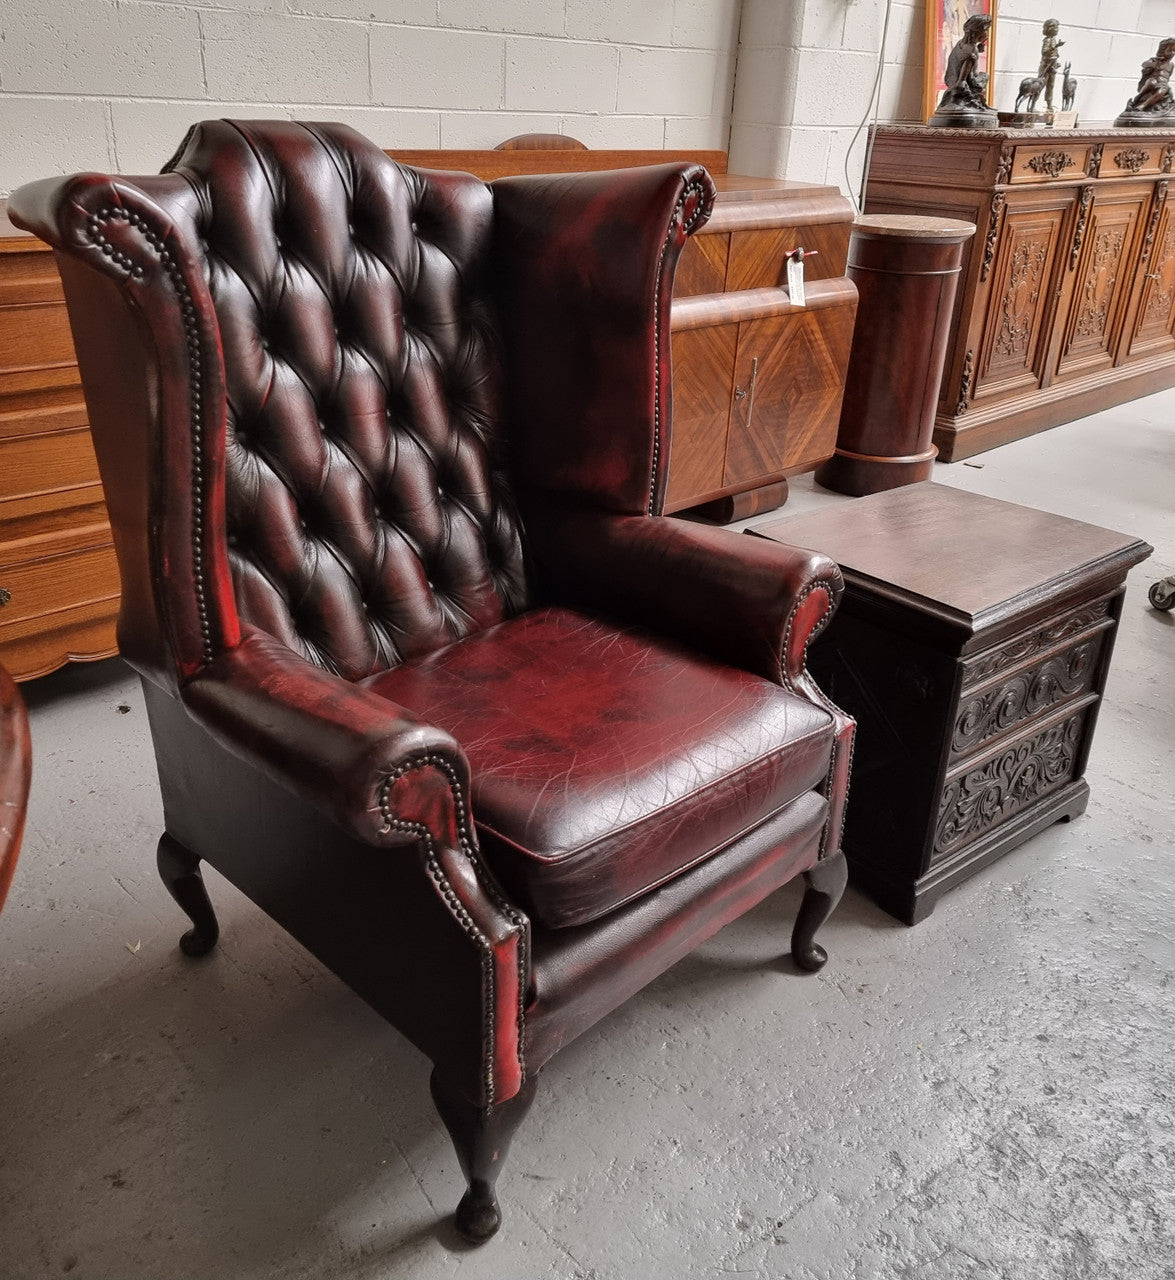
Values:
[(1068, 89), (1030, 90)]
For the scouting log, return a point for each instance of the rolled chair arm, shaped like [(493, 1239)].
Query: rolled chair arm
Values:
[(387, 778), (751, 602), (381, 773)]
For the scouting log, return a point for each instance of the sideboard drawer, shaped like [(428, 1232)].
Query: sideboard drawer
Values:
[(39, 588), (1048, 163), (1143, 159)]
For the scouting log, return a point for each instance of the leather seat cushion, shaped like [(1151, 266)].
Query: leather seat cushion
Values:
[(605, 760)]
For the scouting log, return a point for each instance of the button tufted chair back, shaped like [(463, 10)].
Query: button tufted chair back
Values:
[(366, 513)]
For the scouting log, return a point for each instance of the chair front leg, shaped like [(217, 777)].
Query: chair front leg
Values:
[(825, 884), (482, 1137)]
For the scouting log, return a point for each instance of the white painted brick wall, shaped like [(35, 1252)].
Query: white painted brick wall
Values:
[(431, 68), (555, 75), (95, 84), (101, 84)]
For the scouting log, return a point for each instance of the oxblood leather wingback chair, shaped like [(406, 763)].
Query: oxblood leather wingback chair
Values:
[(429, 677)]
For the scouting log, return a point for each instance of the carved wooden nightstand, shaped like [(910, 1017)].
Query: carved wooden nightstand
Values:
[(972, 646)]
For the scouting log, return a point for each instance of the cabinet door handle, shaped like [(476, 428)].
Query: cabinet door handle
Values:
[(1153, 275), (5, 596), (741, 393)]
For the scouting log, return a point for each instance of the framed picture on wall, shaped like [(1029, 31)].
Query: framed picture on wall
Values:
[(944, 27)]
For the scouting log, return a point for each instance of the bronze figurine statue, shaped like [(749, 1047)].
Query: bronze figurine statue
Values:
[(963, 104), (1050, 60), (1154, 104)]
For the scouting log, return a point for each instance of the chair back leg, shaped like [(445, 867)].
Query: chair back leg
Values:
[(179, 869)]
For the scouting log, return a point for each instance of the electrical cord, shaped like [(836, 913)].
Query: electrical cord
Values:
[(873, 107)]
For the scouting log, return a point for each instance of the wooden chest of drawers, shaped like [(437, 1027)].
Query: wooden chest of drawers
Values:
[(58, 576), (1066, 303), (972, 646)]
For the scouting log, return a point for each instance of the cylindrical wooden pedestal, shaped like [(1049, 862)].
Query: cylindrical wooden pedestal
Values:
[(906, 269)]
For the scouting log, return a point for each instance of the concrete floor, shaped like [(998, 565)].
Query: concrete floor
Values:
[(986, 1095)]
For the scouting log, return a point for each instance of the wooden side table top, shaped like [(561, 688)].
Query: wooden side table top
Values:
[(971, 560)]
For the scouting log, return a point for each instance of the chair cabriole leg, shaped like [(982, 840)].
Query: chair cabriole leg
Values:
[(179, 870), (825, 884), (482, 1138)]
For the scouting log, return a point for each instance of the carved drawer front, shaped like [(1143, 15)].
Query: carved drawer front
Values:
[(982, 794), (1057, 161), (1123, 159), (1070, 626), (1027, 690)]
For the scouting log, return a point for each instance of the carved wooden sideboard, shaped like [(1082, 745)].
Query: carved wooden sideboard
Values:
[(1067, 299), (58, 578)]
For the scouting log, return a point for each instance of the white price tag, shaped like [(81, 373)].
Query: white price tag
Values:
[(795, 278)]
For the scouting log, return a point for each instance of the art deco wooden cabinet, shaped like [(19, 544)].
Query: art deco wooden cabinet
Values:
[(758, 381), (1067, 300)]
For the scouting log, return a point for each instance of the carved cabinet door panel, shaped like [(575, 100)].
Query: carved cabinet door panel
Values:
[(1028, 265), (1102, 272), (1153, 326), (789, 375)]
